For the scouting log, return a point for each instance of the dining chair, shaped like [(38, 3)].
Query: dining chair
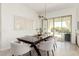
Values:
[(47, 46), (18, 49)]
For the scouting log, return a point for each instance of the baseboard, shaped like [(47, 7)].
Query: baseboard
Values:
[(5, 49)]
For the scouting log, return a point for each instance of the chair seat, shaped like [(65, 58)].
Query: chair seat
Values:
[(47, 45), (19, 48)]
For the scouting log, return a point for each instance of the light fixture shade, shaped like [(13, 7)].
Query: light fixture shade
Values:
[(44, 17)]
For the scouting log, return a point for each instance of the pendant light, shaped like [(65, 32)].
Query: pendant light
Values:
[(44, 17)]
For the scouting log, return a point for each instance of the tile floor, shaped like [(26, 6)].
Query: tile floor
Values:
[(63, 49), (66, 49)]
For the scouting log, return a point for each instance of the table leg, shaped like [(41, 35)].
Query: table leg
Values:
[(37, 50), (47, 53)]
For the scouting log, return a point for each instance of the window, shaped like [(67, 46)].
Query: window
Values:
[(58, 26)]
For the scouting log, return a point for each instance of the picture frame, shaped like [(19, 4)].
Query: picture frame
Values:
[(22, 23)]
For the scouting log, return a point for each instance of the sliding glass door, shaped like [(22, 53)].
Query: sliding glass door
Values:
[(66, 27), (57, 28), (60, 26), (51, 27)]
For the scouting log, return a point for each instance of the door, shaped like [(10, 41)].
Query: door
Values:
[(60, 26)]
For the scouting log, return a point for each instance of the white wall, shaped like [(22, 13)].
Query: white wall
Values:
[(0, 24), (8, 11), (69, 11)]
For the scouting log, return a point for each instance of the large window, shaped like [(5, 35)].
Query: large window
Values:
[(59, 26)]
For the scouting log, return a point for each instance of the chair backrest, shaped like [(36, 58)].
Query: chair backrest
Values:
[(19, 48), (47, 45)]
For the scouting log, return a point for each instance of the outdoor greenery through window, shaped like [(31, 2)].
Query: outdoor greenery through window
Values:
[(59, 26)]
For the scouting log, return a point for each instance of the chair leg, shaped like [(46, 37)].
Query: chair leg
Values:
[(12, 54), (52, 52), (30, 53), (47, 53), (54, 47)]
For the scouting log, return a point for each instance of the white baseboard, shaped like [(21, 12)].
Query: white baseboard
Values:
[(5, 49)]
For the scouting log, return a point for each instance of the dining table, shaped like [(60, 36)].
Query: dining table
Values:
[(34, 41)]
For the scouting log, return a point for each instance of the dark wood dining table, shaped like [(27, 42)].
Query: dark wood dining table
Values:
[(33, 41)]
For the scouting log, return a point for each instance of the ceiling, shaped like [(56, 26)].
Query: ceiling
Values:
[(40, 7)]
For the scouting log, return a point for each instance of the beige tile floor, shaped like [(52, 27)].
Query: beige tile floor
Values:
[(5, 52), (63, 49), (66, 49)]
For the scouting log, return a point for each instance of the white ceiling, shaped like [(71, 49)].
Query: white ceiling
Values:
[(40, 7)]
